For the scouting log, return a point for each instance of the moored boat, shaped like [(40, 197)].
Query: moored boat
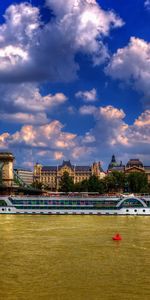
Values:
[(75, 204)]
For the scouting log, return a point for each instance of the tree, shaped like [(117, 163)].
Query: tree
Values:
[(93, 184), (81, 186), (115, 182), (110, 183), (66, 183), (119, 179), (137, 182)]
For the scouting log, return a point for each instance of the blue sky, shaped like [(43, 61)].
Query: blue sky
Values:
[(74, 80)]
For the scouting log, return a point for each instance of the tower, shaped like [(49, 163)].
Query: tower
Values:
[(37, 172), (6, 168)]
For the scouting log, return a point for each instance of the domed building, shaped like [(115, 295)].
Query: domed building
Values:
[(114, 165), (134, 165)]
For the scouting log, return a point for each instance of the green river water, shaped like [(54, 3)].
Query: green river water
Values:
[(74, 257)]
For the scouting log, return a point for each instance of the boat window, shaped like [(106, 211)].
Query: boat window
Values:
[(131, 202), (2, 202)]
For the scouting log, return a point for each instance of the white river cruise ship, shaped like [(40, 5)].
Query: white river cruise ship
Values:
[(76, 205)]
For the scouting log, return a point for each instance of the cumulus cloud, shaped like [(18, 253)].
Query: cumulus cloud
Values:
[(111, 113), (87, 96), (110, 126), (24, 103), (144, 119), (58, 155), (17, 35), (32, 51), (45, 136), (147, 4), (111, 134), (87, 109), (24, 118), (132, 64), (82, 152), (47, 142)]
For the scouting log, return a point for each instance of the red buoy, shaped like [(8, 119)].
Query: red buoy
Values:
[(117, 237)]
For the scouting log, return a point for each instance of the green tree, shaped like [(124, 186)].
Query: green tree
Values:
[(137, 182), (110, 183), (115, 182), (93, 184), (119, 180), (66, 183), (81, 186)]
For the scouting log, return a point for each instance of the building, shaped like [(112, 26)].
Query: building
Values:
[(133, 165), (6, 168), (115, 166), (50, 175), (24, 175)]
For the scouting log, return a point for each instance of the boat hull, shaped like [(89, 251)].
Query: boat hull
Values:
[(122, 211)]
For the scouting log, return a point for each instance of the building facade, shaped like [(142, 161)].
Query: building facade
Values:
[(50, 176), (132, 166), (135, 165), (26, 176), (114, 165)]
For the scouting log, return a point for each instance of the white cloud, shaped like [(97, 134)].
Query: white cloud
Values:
[(147, 4), (110, 134), (132, 64), (144, 119), (87, 109), (24, 103), (17, 34), (58, 155), (111, 113), (28, 97), (85, 21), (82, 152), (32, 51), (87, 96), (24, 118), (44, 136)]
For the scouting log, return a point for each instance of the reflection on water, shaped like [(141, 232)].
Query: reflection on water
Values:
[(74, 257)]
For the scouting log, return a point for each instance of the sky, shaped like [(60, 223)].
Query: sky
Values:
[(75, 81)]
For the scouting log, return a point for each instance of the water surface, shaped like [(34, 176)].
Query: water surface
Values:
[(74, 257)]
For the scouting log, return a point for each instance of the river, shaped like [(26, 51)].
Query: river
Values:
[(74, 258)]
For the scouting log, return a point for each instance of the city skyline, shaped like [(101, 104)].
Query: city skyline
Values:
[(74, 80), (113, 163)]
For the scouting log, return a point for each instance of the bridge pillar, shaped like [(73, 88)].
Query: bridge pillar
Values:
[(6, 162)]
